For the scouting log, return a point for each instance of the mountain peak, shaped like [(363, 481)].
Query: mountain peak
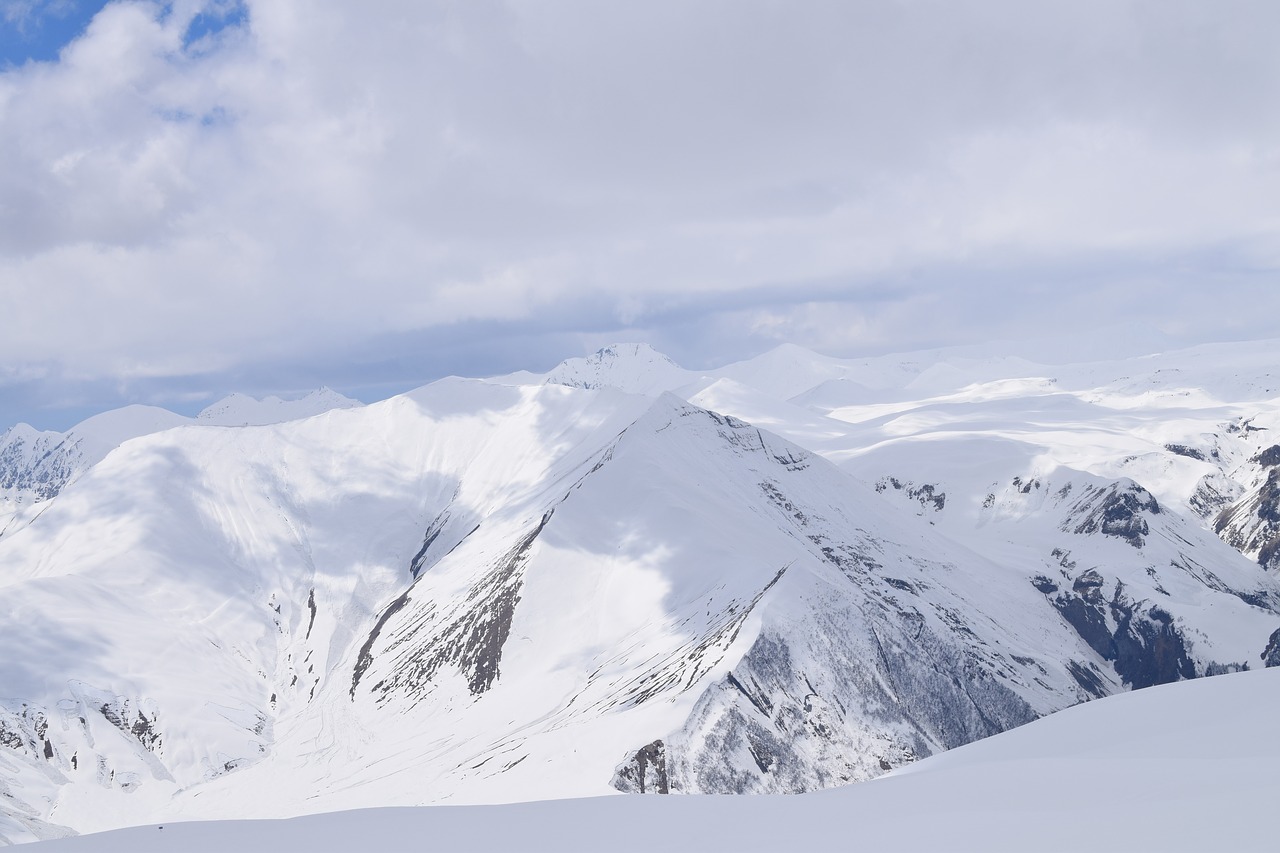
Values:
[(633, 367)]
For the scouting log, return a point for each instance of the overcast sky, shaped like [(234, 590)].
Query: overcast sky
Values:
[(199, 197)]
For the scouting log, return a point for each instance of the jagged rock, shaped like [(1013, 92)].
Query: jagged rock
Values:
[(927, 494), (1214, 492), (645, 772), (1114, 511), (1252, 524), (1270, 457), (1271, 654), (1143, 643), (1184, 450)]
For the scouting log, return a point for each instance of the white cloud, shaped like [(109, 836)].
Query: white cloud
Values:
[(327, 173)]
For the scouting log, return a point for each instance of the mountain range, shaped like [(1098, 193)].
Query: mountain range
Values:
[(779, 576)]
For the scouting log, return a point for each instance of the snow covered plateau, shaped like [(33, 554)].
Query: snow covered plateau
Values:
[(781, 576)]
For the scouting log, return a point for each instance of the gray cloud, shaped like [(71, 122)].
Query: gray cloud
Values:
[(416, 186)]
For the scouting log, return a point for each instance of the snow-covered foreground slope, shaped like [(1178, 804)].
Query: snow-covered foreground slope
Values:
[(573, 584), (1182, 767)]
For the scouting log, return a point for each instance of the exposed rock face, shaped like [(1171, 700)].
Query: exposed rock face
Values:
[(1189, 452), (645, 772), (1117, 510), (470, 637), (1213, 493), (928, 495), (1252, 524), (1142, 642), (1271, 654), (774, 725), (37, 465), (1269, 458)]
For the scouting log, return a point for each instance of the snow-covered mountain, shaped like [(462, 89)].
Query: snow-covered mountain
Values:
[(36, 465), (243, 410), (793, 573)]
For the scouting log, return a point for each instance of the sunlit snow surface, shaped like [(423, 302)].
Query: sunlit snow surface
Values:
[(793, 572), (1181, 767)]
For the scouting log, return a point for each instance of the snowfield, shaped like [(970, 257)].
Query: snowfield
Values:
[(778, 577), (1169, 769)]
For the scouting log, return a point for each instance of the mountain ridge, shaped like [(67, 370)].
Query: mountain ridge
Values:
[(486, 588)]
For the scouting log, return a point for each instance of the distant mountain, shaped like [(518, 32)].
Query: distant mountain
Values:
[(634, 368), (242, 410), (35, 466), (794, 573)]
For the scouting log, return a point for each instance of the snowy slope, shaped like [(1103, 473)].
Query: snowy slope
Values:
[(1119, 774), (553, 586), (35, 466)]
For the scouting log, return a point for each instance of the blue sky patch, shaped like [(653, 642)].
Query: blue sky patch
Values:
[(38, 29), (214, 19)]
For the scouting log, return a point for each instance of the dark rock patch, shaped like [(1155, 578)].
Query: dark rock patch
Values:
[(1142, 642), (1271, 654), (1087, 679), (1252, 525), (1270, 457), (645, 772), (1044, 584), (1117, 511), (472, 636), (311, 605), (928, 495), (366, 651)]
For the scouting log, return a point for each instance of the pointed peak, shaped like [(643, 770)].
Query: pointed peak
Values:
[(627, 351), (636, 368)]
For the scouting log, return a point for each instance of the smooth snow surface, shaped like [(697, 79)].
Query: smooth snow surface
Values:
[(1182, 767)]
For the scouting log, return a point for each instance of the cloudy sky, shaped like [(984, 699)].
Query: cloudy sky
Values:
[(270, 195)]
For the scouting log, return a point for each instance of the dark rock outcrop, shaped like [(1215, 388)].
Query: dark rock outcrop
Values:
[(927, 495), (1269, 458), (1252, 524), (1271, 654), (1142, 642), (1184, 450), (1118, 510), (645, 772), (469, 636)]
